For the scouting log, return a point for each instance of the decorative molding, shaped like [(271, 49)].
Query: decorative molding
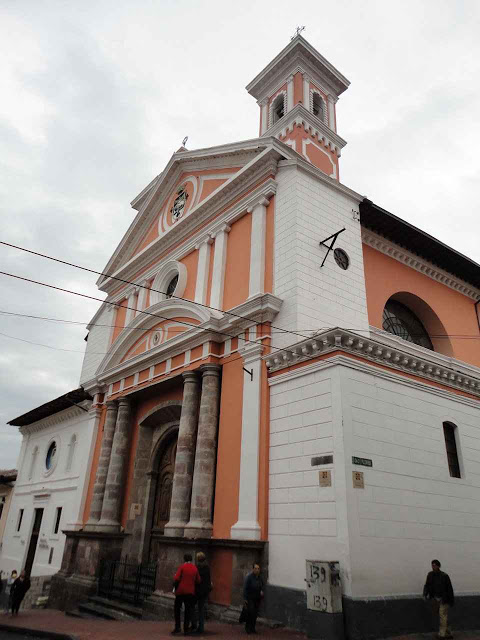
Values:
[(453, 373), (55, 419), (299, 116), (418, 263), (306, 142)]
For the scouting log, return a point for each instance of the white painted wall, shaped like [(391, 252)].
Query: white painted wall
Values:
[(307, 211), (97, 344), (411, 510), (306, 521), (61, 488)]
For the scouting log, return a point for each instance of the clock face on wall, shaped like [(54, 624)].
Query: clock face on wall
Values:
[(179, 204)]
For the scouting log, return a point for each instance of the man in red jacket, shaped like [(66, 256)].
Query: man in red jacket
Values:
[(185, 579)]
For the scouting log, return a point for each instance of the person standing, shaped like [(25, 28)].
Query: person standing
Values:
[(201, 592), (8, 591), (252, 595), (185, 580), (438, 588), (18, 591)]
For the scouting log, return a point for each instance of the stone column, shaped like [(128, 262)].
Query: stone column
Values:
[(184, 461), (247, 526), (112, 501), (263, 116), (200, 525), (102, 467)]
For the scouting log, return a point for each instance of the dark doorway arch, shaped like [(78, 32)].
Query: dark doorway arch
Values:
[(164, 469)]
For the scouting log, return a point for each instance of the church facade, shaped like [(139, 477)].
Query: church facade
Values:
[(286, 379)]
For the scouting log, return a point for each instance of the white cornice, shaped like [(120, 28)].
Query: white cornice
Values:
[(55, 419), (396, 252), (258, 309), (451, 373), (366, 367), (300, 116)]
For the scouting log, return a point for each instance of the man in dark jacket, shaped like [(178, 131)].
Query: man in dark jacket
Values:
[(18, 591), (439, 590), (201, 591), (185, 580), (252, 594)]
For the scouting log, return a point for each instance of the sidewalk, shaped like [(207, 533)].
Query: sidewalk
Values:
[(57, 621)]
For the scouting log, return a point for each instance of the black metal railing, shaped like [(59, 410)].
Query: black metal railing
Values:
[(123, 580)]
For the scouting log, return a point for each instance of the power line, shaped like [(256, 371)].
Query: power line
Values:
[(107, 275)]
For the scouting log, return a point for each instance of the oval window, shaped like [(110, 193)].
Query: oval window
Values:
[(341, 258), (51, 453), (172, 285)]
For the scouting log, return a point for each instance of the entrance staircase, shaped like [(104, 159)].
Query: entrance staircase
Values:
[(107, 609)]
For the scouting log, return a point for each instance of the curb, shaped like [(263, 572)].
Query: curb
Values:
[(51, 635)]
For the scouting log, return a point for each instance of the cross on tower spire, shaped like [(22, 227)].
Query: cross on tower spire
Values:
[(298, 31)]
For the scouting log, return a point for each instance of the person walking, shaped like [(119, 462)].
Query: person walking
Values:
[(8, 591), (201, 592), (18, 591), (438, 588), (252, 595), (185, 580)]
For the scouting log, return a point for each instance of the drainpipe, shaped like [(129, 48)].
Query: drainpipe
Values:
[(476, 312)]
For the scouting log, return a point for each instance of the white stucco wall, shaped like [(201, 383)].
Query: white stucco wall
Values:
[(97, 344), (410, 511), (63, 487), (306, 212)]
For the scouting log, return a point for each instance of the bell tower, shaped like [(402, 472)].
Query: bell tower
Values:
[(297, 93)]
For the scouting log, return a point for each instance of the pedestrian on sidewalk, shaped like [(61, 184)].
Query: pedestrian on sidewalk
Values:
[(252, 595), (201, 593), (185, 580), (438, 588), (8, 591), (18, 591)]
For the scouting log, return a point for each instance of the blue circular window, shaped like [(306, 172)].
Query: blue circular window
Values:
[(51, 453)]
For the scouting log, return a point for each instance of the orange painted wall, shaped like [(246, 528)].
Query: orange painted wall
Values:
[(297, 88), (237, 269), (209, 187), (385, 277), (269, 240), (120, 314), (191, 262), (316, 157), (228, 453)]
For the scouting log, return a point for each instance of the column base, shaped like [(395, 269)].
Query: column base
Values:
[(175, 529), (197, 529), (246, 530), (106, 526)]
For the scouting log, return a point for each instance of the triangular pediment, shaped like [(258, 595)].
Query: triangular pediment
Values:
[(189, 181)]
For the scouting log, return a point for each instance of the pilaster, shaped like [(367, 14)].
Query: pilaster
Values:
[(289, 93), (219, 261), (203, 248), (306, 91), (257, 247), (331, 111), (247, 526)]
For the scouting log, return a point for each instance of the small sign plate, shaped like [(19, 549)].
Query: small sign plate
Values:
[(364, 462), (358, 480), (325, 478), (322, 460)]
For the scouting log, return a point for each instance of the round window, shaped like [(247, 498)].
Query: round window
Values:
[(172, 285), (51, 453), (341, 258)]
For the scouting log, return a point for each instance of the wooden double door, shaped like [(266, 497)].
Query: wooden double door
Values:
[(163, 487)]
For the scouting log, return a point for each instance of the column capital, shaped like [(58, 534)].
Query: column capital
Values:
[(262, 201), (290, 78), (210, 370), (251, 351), (190, 376), (111, 404), (124, 401), (332, 98), (222, 229), (206, 239)]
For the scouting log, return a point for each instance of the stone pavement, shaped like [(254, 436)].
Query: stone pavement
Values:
[(57, 621)]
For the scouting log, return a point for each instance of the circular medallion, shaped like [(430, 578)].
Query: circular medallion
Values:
[(341, 258)]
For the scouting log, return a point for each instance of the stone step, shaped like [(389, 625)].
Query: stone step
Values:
[(117, 605), (232, 614), (75, 613), (98, 611)]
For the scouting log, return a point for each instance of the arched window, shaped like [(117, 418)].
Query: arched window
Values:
[(401, 322), (449, 432), (32, 464), (318, 108), (172, 285), (278, 108), (71, 452)]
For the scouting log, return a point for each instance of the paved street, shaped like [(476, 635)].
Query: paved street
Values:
[(52, 620)]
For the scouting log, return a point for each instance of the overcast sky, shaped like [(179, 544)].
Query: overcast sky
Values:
[(97, 95)]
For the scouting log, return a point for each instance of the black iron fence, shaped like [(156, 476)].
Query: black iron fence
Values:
[(127, 581)]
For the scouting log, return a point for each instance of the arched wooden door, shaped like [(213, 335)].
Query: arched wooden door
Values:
[(163, 489)]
